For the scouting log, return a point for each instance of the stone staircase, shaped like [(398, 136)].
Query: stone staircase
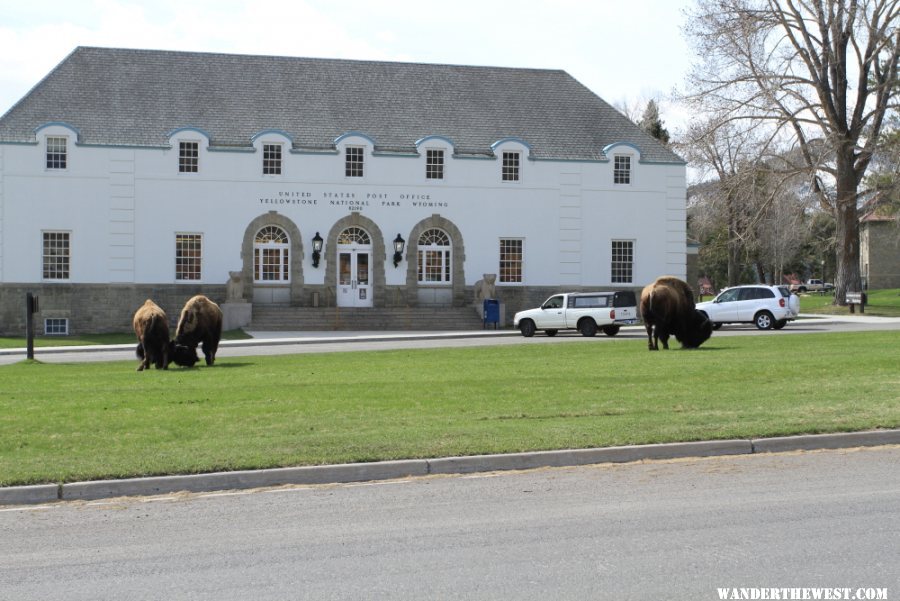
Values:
[(271, 318)]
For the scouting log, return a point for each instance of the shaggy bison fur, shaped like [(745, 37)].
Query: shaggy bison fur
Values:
[(200, 323), (152, 330), (667, 308)]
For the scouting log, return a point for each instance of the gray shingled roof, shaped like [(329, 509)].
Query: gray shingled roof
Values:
[(138, 97)]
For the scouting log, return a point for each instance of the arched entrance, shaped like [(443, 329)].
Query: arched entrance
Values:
[(346, 235), (354, 268)]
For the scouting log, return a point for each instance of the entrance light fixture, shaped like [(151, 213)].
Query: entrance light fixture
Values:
[(399, 243), (317, 249)]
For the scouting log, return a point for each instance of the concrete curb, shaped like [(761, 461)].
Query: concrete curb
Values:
[(388, 470)]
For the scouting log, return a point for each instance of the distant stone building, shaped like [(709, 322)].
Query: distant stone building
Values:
[(879, 252), (134, 174)]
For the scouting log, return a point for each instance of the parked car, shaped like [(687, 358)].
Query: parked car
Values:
[(812, 286), (585, 311), (764, 306)]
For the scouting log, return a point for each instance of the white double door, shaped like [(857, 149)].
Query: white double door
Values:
[(354, 266)]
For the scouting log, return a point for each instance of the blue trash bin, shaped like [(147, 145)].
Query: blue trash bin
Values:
[(491, 312)]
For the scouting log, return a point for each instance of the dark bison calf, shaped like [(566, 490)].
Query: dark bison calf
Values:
[(200, 322), (667, 308), (152, 330)]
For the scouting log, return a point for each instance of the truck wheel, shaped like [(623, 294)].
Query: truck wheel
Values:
[(610, 330), (764, 320), (551, 333), (801, 289), (779, 324), (527, 328), (587, 327)]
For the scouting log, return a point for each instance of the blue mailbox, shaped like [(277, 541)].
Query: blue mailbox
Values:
[(491, 312)]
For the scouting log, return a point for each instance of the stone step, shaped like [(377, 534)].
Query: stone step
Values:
[(275, 318)]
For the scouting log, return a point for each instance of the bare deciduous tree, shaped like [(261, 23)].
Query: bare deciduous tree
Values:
[(818, 75)]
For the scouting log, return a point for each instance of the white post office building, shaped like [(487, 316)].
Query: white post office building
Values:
[(337, 184)]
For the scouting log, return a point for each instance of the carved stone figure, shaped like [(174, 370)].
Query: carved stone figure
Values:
[(485, 288), (234, 288)]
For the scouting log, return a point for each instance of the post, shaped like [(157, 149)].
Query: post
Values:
[(30, 310)]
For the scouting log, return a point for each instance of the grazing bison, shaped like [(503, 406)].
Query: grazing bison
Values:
[(152, 330), (200, 322), (667, 307)]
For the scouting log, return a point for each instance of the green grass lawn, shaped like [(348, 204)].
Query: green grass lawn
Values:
[(71, 422), (881, 303)]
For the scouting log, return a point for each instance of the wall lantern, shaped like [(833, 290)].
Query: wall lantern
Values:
[(399, 243), (317, 249)]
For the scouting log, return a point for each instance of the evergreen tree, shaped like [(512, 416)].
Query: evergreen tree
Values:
[(652, 124)]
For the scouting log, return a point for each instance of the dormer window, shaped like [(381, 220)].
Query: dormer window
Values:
[(188, 157), (622, 169), (434, 164), (510, 172), (57, 153), (353, 164), (271, 159)]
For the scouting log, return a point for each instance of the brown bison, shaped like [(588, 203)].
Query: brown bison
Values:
[(152, 329), (200, 322), (667, 307)]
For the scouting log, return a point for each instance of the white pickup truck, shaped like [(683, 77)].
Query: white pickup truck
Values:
[(583, 311), (812, 286)]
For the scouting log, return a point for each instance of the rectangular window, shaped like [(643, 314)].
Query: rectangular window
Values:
[(56, 326), (56, 255), (510, 166), (354, 161), (57, 156), (621, 169), (188, 256), (271, 159), (622, 261), (511, 260), (434, 164), (188, 157)]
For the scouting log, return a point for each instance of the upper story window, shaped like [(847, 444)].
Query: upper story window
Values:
[(621, 169), (56, 256), (353, 164), (511, 166), (188, 256), (57, 153), (511, 257), (188, 157), (434, 164), (271, 159)]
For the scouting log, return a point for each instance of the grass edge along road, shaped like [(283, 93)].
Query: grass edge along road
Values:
[(69, 422)]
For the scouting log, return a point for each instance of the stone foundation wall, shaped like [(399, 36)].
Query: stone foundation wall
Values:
[(94, 308), (109, 308)]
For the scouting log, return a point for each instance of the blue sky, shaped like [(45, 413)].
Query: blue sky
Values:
[(626, 52)]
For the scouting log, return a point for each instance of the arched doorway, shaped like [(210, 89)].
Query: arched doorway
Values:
[(354, 268), (376, 257)]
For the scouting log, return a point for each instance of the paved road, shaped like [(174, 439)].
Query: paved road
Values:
[(656, 530), (280, 343)]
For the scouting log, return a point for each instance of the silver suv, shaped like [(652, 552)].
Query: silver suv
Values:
[(764, 306)]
